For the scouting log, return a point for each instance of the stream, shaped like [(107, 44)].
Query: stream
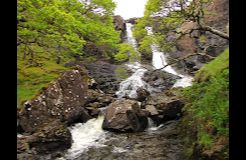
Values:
[(90, 141)]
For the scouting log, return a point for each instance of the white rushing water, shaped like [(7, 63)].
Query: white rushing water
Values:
[(130, 39), (129, 86), (159, 61), (91, 134), (86, 135)]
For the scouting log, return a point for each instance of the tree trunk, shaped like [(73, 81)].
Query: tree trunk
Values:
[(216, 32)]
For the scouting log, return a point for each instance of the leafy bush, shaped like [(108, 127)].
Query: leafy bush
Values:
[(126, 52)]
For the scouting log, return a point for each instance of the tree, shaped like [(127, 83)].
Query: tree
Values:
[(62, 27)]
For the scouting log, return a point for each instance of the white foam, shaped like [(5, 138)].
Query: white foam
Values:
[(86, 135)]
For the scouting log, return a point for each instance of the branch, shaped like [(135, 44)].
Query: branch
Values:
[(216, 32)]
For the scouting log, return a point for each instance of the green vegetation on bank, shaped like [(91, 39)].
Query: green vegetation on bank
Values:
[(126, 52), (207, 105), (51, 33)]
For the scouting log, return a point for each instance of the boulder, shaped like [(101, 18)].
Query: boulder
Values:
[(142, 94), (125, 115), (52, 136), (160, 79), (164, 106), (63, 99)]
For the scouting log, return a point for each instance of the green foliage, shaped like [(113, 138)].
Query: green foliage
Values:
[(212, 68), (125, 53), (161, 27), (121, 72), (205, 139), (52, 32), (208, 101), (202, 39), (31, 79), (144, 46), (64, 26)]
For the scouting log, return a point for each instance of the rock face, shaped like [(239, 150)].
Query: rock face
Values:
[(63, 100), (125, 116), (164, 107), (199, 41), (104, 75), (132, 20), (120, 25)]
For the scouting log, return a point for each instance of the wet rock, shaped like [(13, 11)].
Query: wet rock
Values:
[(125, 116), (160, 79), (142, 94), (96, 99), (162, 144), (63, 99), (166, 104), (104, 75), (52, 136)]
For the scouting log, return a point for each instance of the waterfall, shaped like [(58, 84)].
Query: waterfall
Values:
[(130, 39), (159, 61), (152, 126), (129, 86)]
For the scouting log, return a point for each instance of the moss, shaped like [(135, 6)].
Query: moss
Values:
[(121, 72), (207, 104), (31, 79)]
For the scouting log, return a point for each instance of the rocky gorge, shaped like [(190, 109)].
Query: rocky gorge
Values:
[(106, 110), (84, 93)]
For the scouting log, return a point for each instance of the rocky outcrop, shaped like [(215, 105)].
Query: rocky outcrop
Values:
[(164, 107), (104, 75), (125, 115), (160, 79), (198, 41), (63, 99), (132, 20), (120, 25)]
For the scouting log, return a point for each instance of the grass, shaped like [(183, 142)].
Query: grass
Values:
[(207, 102), (31, 79), (211, 69)]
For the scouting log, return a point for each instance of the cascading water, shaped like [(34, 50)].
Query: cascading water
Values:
[(91, 134), (129, 86), (86, 135), (159, 61)]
